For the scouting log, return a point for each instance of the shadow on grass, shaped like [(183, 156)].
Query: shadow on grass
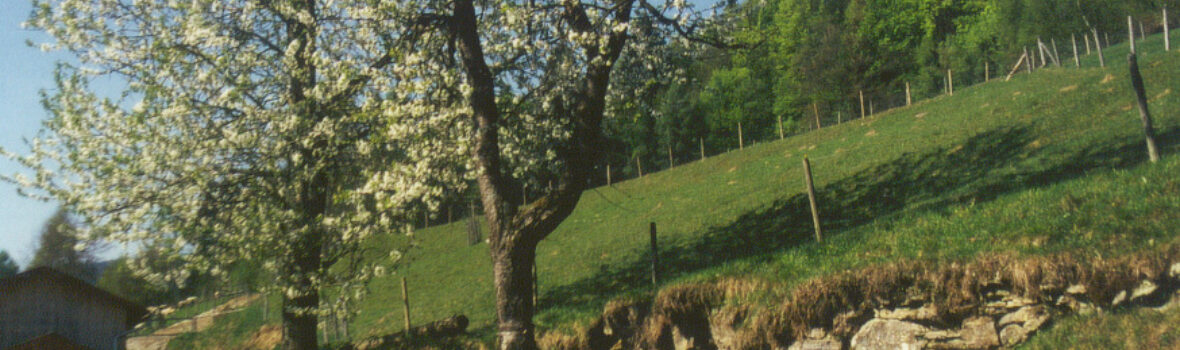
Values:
[(984, 167)]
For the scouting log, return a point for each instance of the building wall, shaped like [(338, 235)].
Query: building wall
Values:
[(41, 307)]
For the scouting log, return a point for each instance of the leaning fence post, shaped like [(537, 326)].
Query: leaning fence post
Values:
[(655, 257), (1141, 95), (1087, 37), (1098, 47), (1041, 52), (815, 109), (1131, 33), (819, 236)]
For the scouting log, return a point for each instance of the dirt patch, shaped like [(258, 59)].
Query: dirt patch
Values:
[(920, 115), (1108, 78), (1068, 88), (1166, 92), (265, 338), (871, 133)]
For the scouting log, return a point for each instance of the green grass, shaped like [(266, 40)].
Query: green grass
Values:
[(230, 331), (1126, 329), (1047, 162), (188, 311)]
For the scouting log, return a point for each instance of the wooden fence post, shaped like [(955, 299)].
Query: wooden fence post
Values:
[(1131, 33), (780, 128), (907, 95), (1073, 38), (1167, 40), (741, 140), (815, 110), (1028, 62), (839, 118), (1142, 33), (608, 174), (406, 306), (987, 74), (1098, 47), (819, 236), (655, 257), (1144, 115), (1087, 37), (1040, 52), (638, 166), (671, 163), (1016, 67), (862, 104), (950, 82), (473, 235)]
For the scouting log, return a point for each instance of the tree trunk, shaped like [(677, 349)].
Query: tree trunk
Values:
[(299, 328), (512, 268), (513, 235), (299, 316)]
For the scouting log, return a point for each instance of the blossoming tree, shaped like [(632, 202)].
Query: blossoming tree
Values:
[(290, 130), (274, 130)]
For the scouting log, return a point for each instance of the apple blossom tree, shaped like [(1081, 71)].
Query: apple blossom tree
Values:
[(282, 131), (536, 75), (290, 130)]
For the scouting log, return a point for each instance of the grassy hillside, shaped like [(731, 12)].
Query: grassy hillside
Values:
[(1046, 162)]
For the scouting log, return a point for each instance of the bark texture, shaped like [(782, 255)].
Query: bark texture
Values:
[(515, 232)]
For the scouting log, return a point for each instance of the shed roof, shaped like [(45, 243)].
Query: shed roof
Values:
[(135, 312)]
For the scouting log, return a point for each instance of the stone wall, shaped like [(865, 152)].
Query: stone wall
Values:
[(993, 302)]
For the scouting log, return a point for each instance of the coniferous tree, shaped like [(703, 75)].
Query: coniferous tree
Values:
[(7, 266)]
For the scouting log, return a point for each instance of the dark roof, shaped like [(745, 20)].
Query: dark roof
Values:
[(48, 341), (135, 312)]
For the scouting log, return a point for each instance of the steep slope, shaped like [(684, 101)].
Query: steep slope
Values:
[(1048, 162)]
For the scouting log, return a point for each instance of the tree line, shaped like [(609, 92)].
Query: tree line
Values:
[(799, 58)]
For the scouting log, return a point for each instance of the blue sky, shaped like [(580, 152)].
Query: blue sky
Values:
[(24, 71)]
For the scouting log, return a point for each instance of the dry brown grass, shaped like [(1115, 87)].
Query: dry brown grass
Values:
[(839, 303)]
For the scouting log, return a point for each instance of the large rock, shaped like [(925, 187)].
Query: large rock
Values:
[(879, 334), (975, 333), (1017, 326)]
